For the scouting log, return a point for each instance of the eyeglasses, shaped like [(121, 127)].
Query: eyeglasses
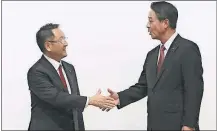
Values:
[(62, 40)]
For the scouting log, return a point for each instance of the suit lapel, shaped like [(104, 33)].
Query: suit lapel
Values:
[(53, 73), (71, 78), (167, 61), (152, 73)]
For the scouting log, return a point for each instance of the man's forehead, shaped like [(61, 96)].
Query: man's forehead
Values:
[(58, 32), (151, 14)]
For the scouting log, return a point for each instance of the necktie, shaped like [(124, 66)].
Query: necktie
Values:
[(62, 76), (161, 59)]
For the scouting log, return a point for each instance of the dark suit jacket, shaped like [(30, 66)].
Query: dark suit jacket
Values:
[(53, 108), (174, 94)]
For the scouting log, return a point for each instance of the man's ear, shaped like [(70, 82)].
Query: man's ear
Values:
[(166, 23), (47, 46)]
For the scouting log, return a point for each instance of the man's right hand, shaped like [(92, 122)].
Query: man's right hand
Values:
[(113, 95), (102, 101)]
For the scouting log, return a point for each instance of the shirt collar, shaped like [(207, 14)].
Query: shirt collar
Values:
[(55, 63), (170, 41)]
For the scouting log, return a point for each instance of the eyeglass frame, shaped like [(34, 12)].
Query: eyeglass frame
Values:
[(60, 40)]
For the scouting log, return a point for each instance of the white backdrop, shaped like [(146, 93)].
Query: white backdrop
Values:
[(108, 43)]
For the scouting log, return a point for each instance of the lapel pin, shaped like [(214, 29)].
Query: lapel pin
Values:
[(173, 49)]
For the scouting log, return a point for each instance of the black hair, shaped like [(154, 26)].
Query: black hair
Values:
[(165, 10), (45, 33)]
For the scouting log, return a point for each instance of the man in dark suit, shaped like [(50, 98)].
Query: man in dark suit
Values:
[(171, 77), (55, 99)]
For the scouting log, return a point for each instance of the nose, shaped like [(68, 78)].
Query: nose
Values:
[(148, 25), (65, 43)]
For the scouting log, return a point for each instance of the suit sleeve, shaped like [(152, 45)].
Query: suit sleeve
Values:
[(134, 92), (192, 71), (40, 85)]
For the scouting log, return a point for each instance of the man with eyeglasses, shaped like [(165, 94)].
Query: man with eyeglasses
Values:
[(56, 103)]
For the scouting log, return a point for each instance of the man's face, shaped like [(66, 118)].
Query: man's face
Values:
[(155, 27), (57, 45)]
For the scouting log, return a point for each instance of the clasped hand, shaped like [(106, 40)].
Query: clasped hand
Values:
[(103, 102)]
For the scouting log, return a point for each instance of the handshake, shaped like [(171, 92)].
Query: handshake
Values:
[(104, 102)]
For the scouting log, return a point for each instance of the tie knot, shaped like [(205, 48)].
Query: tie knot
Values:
[(60, 66), (162, 48)]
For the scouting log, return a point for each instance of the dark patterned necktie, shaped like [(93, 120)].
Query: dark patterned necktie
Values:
[(161, 58)]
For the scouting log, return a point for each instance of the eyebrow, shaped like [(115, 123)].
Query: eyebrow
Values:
[(61, 37)]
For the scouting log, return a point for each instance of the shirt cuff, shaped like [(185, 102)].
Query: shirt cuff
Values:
[(87, 102), (119, 103)]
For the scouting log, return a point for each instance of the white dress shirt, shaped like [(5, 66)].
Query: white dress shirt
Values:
[(56, 65), (167, 44)]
